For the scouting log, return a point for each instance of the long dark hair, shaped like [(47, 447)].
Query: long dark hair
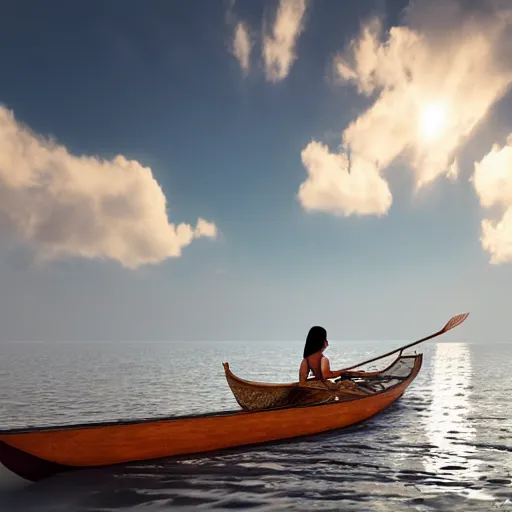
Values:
[(315, 340)]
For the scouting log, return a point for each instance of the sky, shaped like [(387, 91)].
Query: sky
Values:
[(242, 170)]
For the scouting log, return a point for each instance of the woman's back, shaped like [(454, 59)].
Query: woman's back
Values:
[(312, 364)]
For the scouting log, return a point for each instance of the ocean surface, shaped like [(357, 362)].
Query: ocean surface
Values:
[(445, 445)]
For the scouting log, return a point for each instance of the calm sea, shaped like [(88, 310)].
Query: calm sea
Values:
[(445, 445)]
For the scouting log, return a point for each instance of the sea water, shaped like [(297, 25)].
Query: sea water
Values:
[(445, 445)]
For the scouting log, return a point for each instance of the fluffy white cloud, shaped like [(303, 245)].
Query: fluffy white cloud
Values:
[(330, 186), (66, 205), (493, 183), (430, 82), (242, 46), (279, 45), (205, 228)]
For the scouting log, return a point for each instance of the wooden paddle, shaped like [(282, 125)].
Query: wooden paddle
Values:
[(451, 324)]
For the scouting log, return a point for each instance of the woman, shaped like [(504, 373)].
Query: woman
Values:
[(314, 359)]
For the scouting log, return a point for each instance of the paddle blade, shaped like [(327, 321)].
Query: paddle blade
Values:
[(454, 322)]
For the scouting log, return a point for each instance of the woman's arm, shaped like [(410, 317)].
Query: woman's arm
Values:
[(327, 372)]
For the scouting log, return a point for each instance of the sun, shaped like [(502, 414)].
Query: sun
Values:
[(432, 121)]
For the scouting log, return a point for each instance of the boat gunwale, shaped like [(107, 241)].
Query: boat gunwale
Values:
[(217, 414)]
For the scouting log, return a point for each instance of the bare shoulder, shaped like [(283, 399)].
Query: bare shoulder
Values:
[(324, 361)]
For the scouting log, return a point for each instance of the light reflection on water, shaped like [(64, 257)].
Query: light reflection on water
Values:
[(445, 445), (447, 424)]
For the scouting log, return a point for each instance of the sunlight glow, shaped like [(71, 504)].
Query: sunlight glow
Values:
[(432, 121)]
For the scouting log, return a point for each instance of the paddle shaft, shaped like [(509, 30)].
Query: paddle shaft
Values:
[(453, 322), (393, 351)]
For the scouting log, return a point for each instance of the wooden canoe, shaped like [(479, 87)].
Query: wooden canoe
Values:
[(35, 453), (253, 396)]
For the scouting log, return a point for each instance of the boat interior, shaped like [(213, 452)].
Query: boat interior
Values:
[(399, 370)]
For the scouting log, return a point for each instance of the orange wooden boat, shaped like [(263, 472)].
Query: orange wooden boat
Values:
[(35, 453)]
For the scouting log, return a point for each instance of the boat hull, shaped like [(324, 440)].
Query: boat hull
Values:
[(27, 466), (107, 444)]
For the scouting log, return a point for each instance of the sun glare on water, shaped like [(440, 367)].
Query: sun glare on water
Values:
[(432, 121)]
